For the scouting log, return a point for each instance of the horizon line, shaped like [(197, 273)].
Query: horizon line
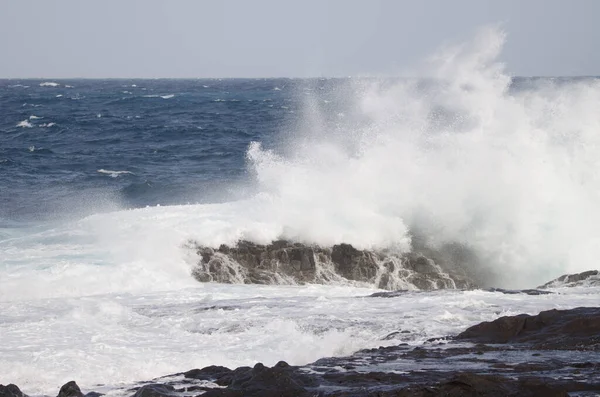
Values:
[(274, 77)]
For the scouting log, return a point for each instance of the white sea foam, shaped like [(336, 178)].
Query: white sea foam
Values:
[(25, 124), (513, 175), (167, 96), (49, 84), (114, 174), (47, 125), (33, 117)]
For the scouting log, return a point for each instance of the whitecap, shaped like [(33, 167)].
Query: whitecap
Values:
[(47, 125), (169, 96), (49, 84), (59, 96), (25, 124), (114, 174), (34, 117)]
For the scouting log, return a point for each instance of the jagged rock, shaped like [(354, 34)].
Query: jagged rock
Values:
[(70, 389), (590, 277), (552, 329), (11, 390), (155, 390), (281, 380), (294, 263)]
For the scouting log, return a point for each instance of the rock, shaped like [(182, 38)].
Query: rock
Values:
[(590, 278), (281, 380), (519, 291), (70, 389), (283, 262), (155, 390), (473, 385), (211, 373), (11, 390), (553, 329)]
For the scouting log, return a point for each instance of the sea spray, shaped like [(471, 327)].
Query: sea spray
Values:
[(464, 156)]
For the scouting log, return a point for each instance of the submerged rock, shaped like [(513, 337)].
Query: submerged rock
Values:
[(589, 278), (283, 262)]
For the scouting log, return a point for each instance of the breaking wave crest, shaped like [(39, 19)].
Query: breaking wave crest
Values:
[(465, 157)]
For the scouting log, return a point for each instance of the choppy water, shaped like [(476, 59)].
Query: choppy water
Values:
[(103, 182)]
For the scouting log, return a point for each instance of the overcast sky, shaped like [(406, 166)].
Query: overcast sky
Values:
[(293, 38)]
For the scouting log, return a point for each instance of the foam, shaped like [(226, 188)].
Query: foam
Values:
[(49, 84), (460, 158), (113, 174), (24, 124)]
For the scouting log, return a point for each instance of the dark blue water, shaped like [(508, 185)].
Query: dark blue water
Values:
[(179, 141)]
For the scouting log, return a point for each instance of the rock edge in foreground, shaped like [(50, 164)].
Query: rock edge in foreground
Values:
[(553, 353)]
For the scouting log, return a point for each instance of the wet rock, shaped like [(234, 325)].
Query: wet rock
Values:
[(211, 373), (155, 390), (282, 380), (590, 278), (11, 390), (519, 291), (553, 329), (284, 262), (70, 389)]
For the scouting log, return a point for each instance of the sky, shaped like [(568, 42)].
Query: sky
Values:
[(284, 38)]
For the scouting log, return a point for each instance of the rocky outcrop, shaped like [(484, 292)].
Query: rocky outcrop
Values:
[(283, 262), (590, 278), (553, 329), (70, 389), (11, 390)]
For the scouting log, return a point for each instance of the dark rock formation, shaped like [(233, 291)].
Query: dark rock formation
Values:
[(70, 389), (553, 329), (155, 390), (11, 390), (519, 291), (590, 278), (294, 263)]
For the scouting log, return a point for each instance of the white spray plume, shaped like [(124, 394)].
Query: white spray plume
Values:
[(462, 157)]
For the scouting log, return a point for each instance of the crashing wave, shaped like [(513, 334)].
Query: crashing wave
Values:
[(284, 262), (49, 84)]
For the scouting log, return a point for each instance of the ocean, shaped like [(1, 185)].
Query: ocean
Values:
[(104, 184)]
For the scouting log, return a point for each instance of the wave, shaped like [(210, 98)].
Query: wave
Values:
[(459, 157), (49, 84), (33, 117), (114, 174), (24, 124)]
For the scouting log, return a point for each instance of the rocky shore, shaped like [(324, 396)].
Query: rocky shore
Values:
[(553, 353), (283, 262)]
